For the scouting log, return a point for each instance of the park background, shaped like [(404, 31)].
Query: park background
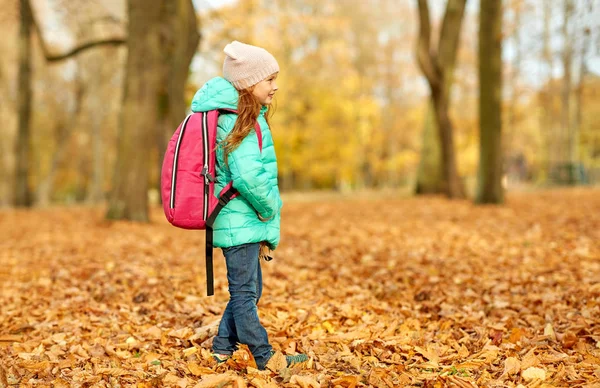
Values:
[(353, 112), (396, 122)]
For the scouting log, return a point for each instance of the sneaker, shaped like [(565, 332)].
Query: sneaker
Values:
[(221, 358), (293, 360), (276, 363), (296, 359)]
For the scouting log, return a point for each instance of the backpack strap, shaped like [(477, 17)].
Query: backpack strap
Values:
[(227, 195), (210, 277), (224, 199), (258, 134)]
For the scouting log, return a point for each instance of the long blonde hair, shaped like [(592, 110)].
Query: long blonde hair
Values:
[(248, 110)]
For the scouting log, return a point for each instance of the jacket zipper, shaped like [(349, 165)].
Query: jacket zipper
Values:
[(175, 158), (206, 180)]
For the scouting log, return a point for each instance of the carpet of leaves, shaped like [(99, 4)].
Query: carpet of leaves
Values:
[(379, 292)]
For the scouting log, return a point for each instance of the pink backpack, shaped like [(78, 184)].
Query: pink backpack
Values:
[(188, 179)]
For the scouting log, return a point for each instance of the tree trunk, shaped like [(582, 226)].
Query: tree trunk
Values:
[(44, 189), (23, 195), (548, 119), (513, 103), (438, 66), (96, 191), (490, 103), (7, 148), (430, 176), (454, 187), (567, 54), (129, 196), (64, 130), (578, 108), (179, 41)]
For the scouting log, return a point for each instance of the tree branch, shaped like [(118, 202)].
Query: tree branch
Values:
[(426, 59), (110, 41), (450, 33), (78, 49)]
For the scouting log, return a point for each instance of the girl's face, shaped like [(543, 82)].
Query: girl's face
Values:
[(265, 89)]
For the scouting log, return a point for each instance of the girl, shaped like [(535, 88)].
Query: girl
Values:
[(249, 225)]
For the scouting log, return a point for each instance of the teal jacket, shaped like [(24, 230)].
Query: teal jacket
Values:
[(254, 174)]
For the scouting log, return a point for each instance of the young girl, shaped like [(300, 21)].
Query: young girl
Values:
[(249, 225)]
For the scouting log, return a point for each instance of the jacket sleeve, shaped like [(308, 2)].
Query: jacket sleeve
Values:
[(251, 179)]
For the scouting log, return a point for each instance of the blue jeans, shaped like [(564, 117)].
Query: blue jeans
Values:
[(240, 322)]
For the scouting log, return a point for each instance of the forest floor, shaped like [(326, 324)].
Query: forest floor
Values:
[(384, 292)]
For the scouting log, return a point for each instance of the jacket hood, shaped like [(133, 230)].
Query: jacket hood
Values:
[(217, 93)]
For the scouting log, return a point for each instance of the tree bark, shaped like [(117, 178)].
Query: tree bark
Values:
[(490, 103), (96, 191), (179, 41), (437, 66), (578, 102), (516, 72), (129, 196), (547, 118), (64, 130), (7, 153), (23, 195), (567, 57), (430, 174)]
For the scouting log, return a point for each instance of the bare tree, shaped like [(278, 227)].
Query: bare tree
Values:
[(437, 66), (23, 194), (490, 102)]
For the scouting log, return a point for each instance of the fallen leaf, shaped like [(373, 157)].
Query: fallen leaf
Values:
[(277, 362), (152, 332), (116, 372), (221, 380), (304, 381), (190, 351), (242, 358), (533, 373), (515, 335), (569, 340), (57, 383), (329, 327), (183, 333), (529, 360), (512, 366), (346, 381), (430, 354), (198, 370), (549, 331), (34, 366), (79, 325)]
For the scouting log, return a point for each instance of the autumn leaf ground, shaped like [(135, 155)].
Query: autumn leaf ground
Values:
[(382, 292)]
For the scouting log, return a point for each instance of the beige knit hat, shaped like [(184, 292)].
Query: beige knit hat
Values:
[(247, 65)]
